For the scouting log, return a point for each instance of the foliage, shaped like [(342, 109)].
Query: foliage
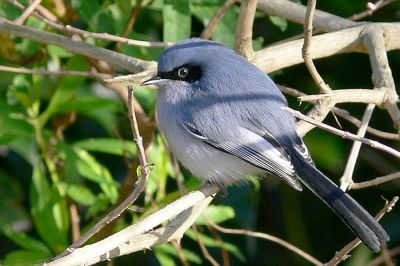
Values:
[(65, 143)]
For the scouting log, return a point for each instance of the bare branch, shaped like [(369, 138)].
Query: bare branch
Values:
[(244, 29), (375, 41), (126, 62), (209, 30), (132, 18), (347, 179), (371, 9), (342, 254), (125, 241), (110, 37), (296, 12), (342, 112), (271, 238), (375, 182), (308, 29), (343, 41), (27, 12), (379, 260), (56, 73), (344, 134)]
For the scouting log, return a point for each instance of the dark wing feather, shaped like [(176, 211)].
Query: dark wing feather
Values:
[(255, 150)]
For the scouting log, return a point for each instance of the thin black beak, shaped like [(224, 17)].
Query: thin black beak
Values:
[(152, 81)]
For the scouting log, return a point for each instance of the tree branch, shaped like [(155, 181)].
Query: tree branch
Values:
[(126, 62), (27, 12), (268, 237), (123, 241), (244, 29), (209, 30), (308, 29), (375, 182), (344, 134)]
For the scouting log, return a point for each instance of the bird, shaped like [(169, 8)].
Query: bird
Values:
[(223, 118)]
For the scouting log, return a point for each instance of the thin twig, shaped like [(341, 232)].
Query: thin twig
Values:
[(203, 248), (132, 18), (181, 254), (386, 256), (103, 36), (379, 260), (56, 73), (371, 9), (308, 29), (274, 239), (124, 61), (376, 181), (344, 134), (212, 25), (75, 219), (27, 12), (145, 171), (376, 132), (347, 179), (343, 253), (244, 29)]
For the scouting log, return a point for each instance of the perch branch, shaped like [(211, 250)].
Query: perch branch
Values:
[(110, 246)]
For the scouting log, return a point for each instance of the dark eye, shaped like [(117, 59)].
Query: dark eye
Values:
[(183, 72)]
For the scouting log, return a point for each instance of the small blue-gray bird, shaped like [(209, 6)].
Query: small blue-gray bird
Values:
[(222, 118)]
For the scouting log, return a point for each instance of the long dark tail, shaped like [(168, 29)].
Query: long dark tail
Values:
[(363, 225)]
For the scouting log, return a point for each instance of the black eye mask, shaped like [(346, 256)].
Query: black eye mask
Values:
[(187, 73)]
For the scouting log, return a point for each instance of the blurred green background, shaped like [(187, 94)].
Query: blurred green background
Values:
[(65, 142)]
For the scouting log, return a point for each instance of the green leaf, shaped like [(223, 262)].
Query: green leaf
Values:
[(12, 211), (225, 30), (177, 21), (103, 22), (26, 148), (66, 89), (210, 242), (217, 214), (26, 242), (163, 258), (166, 250), (57, 51), (89, 103), (49, 212), (25, 258), (91, 169), (280, 22), (327, 150), (86, 8), (147, 99), (81, 194), (9, 11), (108, 145)]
